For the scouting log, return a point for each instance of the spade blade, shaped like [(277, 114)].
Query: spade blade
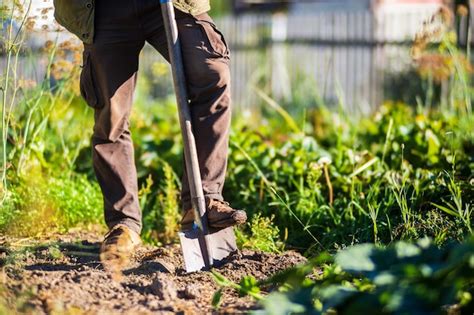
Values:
[(221, 242)]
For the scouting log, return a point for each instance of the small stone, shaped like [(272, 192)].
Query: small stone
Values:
[(166, 266), (38, 273), (153, 304), (164, 287), (191, 291), (54, 305), (76, 278)]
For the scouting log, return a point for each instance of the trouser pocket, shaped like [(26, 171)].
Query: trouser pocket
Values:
[(216, 43), (87, 82)]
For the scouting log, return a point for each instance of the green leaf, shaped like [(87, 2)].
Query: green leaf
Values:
[(249, 286), (364, 167), (216, 299), (280, 304), (385, 278), (357, 258), (221, 280), (433, 143), (335, 295), (445, 209), (405, 250)]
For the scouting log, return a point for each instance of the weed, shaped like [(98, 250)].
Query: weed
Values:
[(160, 208), (263, 235), (49, 204), (457, 207), (247, 286)]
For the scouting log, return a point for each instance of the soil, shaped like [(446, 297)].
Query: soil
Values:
[(64, 275)]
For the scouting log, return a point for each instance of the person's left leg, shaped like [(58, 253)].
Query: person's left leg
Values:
[(206, 63)]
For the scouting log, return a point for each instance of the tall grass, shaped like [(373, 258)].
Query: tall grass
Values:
[(9, 84), (42, 138)]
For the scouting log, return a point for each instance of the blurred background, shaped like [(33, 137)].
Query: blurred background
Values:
[(351, 52)]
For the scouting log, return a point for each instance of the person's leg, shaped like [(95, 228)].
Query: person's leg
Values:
[(113, 154), (107, 83), (206, 63)]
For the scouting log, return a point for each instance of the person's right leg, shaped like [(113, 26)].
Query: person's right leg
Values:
[(108, 82)]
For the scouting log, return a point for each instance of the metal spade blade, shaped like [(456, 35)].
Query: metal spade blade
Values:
[(222, 244)]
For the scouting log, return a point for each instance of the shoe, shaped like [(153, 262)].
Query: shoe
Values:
[(220, 215), (117, 248)]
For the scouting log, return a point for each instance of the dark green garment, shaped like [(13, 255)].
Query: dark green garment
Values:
[(77, 16)]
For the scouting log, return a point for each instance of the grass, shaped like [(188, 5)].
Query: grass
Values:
[(41, 205)]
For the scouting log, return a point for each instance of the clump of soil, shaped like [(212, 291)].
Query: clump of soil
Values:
[(68, 277)]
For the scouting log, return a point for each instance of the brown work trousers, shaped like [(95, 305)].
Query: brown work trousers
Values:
[(108, 81)]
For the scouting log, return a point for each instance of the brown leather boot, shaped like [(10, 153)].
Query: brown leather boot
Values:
[(117, 248), (220, 215)]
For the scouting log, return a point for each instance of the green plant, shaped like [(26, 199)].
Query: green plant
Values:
[(247, 286), (51, 204), (12, 43), (263, 235), (379, 185), (457, 207), (42, 138), (160, 208), (403, 278)]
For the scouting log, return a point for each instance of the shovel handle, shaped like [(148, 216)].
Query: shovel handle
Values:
[(190, 151)]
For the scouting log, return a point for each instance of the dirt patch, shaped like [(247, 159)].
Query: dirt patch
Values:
[(65, 276)]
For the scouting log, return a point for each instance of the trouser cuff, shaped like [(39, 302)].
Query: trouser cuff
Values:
[(186, 203), (131, 224)]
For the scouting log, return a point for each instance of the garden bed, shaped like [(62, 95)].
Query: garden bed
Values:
[(64, 275)]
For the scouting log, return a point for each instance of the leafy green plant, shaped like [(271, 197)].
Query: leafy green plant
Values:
[(386, 177), (404, 278), (160, 206), (247, 286), (263, 235), (51, 204)]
